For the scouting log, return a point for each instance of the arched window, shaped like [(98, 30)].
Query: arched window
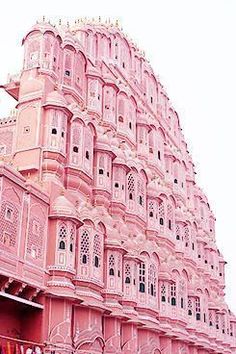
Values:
[(190, 307), (197, 309), (152, 280), (62, 237), (131, 186), (75, 149), (161, 211), (127, 274), (111, 265), (182, 303), (87, 155), (72, 239), (84, 247), (177, 232), (54, 131), (173, 294), (97, 250), (163, 293), (142, 278), (62, 245), (170, 216)]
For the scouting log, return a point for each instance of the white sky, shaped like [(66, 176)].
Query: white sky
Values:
[(191, 45)]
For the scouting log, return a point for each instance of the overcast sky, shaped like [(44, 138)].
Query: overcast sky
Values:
[(191, 46)]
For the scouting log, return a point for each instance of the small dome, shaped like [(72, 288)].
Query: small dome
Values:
[(63, 207), (56, 98)]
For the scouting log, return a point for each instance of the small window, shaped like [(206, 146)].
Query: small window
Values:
[(220, 274), (75, 149), (193, 246), (175, 180), (199, 256), (210, 324), (84, 259), (140, 200), (131, 196), (159, 155), (142, 288), (163, 299), (67, 72), (169, 224), (111, 271), (212, 267), (116, 185), (26, 130), (190, 312), (96, 261), (62, 245), (62, 134), (130, 125), (71, 247), (9, 214), (177, 237), (198, 316), (54, 131), (173, 301), (151, 99), (152, 289), (206, 261), (108, 174), (127, 280), (151, 214), (100, 171), (161, 221), (121, 119), (118, 273), (204, 317), (87, 155), (182, 303), (123, 65)]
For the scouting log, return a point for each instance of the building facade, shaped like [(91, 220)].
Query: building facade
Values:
[(107, 243)]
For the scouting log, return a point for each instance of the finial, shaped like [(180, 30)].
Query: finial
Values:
[(60, 21), (68, 24), (117, 23), (99, 19), (43, 18)]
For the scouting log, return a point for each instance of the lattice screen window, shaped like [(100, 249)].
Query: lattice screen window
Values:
[(111, 265), (197, 308), (186, 236), (141, 192), (211, 318), (161, 211), (84, 247), (62, 237), (97, 250), (142, 277), (217, 321), (72, 239), (131, 186), (163, 292), (127, 273), (152, 280), (9, 217), (170, 216), (177, 232), (151, 208), (173, 294), (35, 238), (190, 306)]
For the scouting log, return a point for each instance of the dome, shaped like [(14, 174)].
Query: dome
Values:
[(63, 207), (56, 98)]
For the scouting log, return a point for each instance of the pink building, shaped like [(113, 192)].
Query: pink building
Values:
[(107, 243)]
